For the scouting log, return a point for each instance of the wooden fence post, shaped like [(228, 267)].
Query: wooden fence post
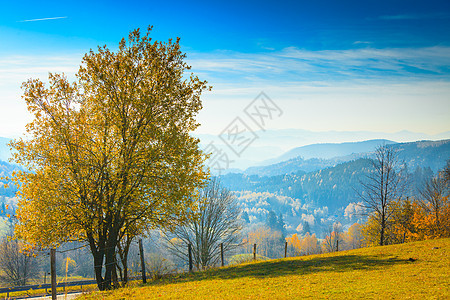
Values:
[(53, 271), (254, 251), (190, 257), (221, 254), (141, 251), (285, 249)]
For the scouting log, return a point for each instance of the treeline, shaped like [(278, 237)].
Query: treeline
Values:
[(424, 216), (395, 215), (270, 243), (333, 187)]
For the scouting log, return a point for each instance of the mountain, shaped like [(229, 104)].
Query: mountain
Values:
[(333, 187), (320, 191), (272, 143), (432, 154), (292, 166), (330, 150)]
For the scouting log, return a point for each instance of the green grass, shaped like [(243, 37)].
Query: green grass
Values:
[(368, 273)]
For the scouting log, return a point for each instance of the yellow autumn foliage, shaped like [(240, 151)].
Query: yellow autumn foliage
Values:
[(110, 154)]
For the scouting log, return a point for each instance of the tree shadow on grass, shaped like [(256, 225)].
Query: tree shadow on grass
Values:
[(276, 268)]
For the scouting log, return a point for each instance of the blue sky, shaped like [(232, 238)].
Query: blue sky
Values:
[(329, 65)]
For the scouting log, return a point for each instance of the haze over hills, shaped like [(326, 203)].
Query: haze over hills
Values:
[(317, 191), (271, 144), (321, 191), (329, 150), (432, 154)]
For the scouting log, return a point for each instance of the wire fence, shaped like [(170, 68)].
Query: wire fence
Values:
[(71, 265), (74, 262)]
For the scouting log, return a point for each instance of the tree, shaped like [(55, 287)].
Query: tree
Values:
[(112, 151), (269, 242), (294, 243), (245, 217), (382, 187), (334, 238), (217, 223), (306, 227), (17, 267), (432, 211), (309, 244), (402, 219), (446, 172), (276, 223), (281, 225), (433, 199), (272, 221), (353, 238)]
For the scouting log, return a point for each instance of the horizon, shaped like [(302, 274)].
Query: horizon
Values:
[(270, 147)]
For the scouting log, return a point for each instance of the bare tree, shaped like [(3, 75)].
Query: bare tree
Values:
[(17, 267), (218, 222), (433, 199), (446, 173), (383, 186), (333, 240)]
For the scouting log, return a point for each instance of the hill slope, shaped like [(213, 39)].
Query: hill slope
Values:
[(433, 154), (330, 150), (367, 273)]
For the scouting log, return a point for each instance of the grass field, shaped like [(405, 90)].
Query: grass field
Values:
[(369, 273)]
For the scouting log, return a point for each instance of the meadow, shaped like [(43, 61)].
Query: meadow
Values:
[(418, 270)]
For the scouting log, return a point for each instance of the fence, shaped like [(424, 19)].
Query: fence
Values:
[(249, 251), (241, 253), (54, 284)]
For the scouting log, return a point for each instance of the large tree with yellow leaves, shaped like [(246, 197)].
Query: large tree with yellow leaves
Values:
[(111, 153)]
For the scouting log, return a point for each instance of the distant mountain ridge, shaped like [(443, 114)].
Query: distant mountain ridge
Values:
[(271, 143), (331, 150), (322, 191), (432, 154)]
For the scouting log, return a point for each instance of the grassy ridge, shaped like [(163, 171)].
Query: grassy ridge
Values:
[(368, 273)]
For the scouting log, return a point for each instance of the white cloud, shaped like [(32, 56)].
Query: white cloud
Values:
[(293, 64), (344, 90), (310, 219), (43, 19)]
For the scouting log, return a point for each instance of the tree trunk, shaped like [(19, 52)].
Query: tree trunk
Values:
[(123, 254), (115, 280), (98, 263), (109, 265), (383, 225), (98, 252)]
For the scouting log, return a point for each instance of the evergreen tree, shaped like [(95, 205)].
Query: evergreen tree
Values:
[(272, 221), (281, 225), (306, 228), (245, 217)]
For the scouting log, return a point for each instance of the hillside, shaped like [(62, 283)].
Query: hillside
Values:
[(330, 150), (315, 157), (379, 272), (318, 191)]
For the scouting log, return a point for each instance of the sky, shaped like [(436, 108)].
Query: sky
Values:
[(381, 66)]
